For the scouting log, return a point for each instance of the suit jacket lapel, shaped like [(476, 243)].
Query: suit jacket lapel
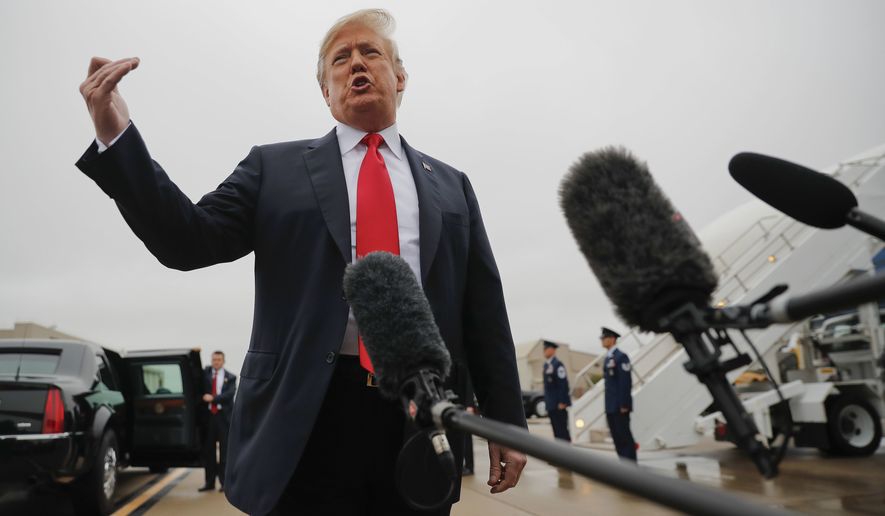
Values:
[(323, 160), (429, 217)]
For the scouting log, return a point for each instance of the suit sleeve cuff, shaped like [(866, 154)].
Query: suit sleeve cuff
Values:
[(101, 147), (109, 169)]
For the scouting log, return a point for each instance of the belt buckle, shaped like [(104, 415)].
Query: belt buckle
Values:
[(371, 380)]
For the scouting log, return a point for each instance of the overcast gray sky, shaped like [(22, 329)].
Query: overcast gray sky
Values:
[(510, 92)]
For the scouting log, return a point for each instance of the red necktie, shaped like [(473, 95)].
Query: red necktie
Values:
[(214, 407), (376, 225)]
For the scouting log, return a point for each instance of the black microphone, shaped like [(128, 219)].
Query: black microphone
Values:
[(651, 266), (810, 197), (407, 352), (644, 254)]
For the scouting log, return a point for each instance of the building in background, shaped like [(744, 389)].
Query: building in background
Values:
[(29, 330)]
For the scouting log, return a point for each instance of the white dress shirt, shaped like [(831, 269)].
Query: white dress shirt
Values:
[(405, 195), (102, 147), (219, 383)]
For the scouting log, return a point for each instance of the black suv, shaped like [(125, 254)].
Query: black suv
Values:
[(72, 413)]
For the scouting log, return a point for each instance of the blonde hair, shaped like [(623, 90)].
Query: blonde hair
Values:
[(379, 21)]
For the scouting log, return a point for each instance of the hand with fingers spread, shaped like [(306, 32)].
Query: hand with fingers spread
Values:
[(108, 110), (505, 467)]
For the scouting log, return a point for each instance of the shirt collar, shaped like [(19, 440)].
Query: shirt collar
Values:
[(350, 137)]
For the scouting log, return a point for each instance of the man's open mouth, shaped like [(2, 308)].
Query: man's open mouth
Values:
[(360, 83)]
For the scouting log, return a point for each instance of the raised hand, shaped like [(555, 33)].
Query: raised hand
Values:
[(108, 110)]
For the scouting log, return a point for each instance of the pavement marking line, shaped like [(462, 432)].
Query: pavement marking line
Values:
[(142, 488), (159, 496), (150, 493)]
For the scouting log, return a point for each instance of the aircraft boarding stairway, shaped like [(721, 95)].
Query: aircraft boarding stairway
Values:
[(769, 249)]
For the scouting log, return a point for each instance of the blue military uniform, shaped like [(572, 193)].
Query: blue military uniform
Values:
[(556, 391), (618, 384)]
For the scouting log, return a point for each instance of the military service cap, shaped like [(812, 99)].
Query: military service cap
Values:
[(609, 333)]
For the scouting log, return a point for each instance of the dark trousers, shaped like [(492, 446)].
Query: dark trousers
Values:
[(559, 422), (349, 462), (216, 433), (619, 426)]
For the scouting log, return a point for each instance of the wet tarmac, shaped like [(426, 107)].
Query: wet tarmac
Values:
[(809, 483), (137, 491)]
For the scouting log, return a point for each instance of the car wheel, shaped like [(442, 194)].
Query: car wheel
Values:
[(854, 426), (94, 492), (540, 407)]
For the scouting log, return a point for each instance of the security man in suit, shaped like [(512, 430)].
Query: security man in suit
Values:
[(556, 392), (618, 399), (219, 386), (310, 434)]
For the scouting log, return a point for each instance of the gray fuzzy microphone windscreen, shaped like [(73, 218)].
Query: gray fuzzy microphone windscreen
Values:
[(394, 320), (643, 253)]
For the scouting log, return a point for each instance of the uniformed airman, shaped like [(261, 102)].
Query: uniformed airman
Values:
[(556, 392), (618, 397)]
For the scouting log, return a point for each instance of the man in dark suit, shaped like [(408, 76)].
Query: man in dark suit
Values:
[(309, 431), (556, 392), (618, 396), (219, 388)]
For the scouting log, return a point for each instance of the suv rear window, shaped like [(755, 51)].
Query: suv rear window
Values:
[(28, 363)]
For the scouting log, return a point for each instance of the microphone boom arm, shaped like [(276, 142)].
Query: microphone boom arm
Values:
[(867, 223), (677, 494), (429, 405), (779, 309)]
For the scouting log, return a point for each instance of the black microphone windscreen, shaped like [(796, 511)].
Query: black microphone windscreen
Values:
[(810, 197), (394, 320), (643, 253)]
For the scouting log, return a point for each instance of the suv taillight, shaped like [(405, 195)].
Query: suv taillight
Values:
[(53, 412)]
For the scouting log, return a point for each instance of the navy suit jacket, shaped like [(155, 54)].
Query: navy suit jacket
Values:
[(225, 398), (287, 203), (618, 382)]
